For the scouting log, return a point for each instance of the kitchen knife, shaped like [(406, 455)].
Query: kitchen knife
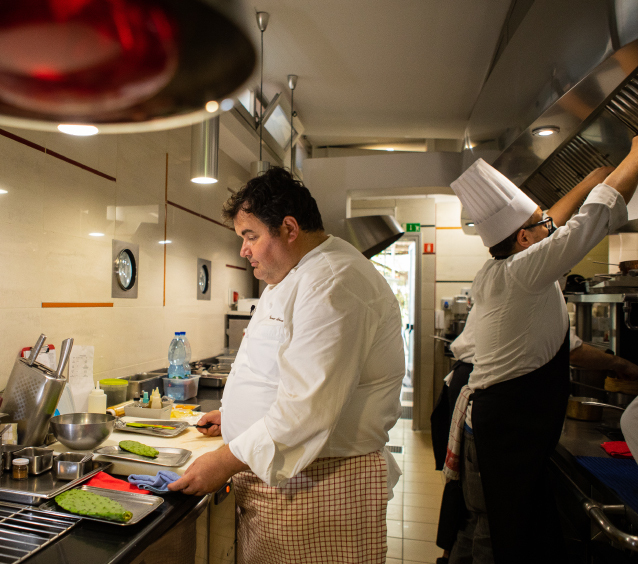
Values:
[(65, 353), (151, 426), (35, 351)]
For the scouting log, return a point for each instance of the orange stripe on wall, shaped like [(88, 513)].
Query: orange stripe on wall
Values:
[(77, 304), (449, 227)]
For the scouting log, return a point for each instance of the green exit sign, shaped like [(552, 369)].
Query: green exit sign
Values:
[(412, 227)]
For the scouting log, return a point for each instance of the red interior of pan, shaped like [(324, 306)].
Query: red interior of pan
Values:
[(70, 57)]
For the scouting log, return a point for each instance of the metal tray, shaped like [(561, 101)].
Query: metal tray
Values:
[(140, 505), (37, 489), (167, 456), (180, 426)]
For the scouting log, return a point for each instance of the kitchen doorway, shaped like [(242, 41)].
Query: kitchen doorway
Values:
[(400, 265)]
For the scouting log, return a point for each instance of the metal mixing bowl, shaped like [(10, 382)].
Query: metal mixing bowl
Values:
[(82, 431)]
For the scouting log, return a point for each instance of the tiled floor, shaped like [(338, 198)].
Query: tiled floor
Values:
[(413, 514)]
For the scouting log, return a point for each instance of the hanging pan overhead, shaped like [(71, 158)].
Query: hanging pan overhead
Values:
[(121, 65)]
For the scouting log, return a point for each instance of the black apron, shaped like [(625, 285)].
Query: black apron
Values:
[(517, 425), (453, 511)]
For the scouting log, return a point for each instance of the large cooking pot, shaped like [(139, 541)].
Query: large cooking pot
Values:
[(626, 265)]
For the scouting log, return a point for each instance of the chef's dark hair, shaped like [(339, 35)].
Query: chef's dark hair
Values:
[(273, 195), (505, 248)]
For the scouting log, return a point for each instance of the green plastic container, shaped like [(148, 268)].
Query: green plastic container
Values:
[(115, 390)]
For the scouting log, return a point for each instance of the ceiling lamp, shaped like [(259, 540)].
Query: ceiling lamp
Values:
[(545, 131), (292, 84), (205, 151), (121, 65), (260, 166), (79, 130)]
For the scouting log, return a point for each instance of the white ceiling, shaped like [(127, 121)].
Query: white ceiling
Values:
[(372, 71)]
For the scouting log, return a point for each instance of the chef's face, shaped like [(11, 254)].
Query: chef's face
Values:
[(538, 232), (268, 254)]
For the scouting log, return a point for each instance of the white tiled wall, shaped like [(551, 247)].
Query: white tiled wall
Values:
[(458, 256), (47, 255)]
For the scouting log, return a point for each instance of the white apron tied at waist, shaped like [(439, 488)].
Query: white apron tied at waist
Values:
[(451, 469)]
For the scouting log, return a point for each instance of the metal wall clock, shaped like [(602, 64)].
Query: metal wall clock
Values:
[(203, 279), (125, 270)]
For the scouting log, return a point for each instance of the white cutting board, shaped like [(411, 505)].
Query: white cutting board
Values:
[(190, 439)]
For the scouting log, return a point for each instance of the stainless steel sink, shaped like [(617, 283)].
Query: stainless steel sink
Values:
[(144, 382)]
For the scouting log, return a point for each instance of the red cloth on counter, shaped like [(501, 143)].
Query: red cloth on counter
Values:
[(108, 482), (617, 449)]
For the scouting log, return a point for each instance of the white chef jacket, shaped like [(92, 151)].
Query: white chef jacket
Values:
[(629, 427), (521, 314), (319, 370)]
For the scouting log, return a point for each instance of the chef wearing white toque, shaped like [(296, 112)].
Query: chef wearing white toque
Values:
[(520, 381)]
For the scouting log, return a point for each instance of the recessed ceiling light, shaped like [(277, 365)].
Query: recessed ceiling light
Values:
[(545, 131), (165, 242), (212, 106), (96, 234), (470, 224), (204, 180), (75, 129), (390, 149), (227, 104), (3, 191)]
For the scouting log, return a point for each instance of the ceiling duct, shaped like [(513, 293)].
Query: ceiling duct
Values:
[(371, 234)]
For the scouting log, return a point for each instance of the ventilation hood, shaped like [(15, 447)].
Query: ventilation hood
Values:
[(571, 66), (370, 234)]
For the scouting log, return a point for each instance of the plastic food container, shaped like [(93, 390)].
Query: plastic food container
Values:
[(20, 466), (181, 389), (115, 390)]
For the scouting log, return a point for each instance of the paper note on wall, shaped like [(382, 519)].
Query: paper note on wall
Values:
[(81, 375)]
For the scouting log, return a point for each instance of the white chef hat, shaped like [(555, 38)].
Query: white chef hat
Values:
[(497, 206)]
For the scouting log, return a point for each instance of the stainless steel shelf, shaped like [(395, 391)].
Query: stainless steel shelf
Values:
[(595, 298)]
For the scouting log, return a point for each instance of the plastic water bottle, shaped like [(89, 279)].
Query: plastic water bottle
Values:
[(187, 354), (176, 357)]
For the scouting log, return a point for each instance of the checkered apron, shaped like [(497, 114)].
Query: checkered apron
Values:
[(333, 512)]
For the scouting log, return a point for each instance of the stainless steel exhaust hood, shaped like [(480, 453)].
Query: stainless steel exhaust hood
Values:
[(572, 66), (371, 234)]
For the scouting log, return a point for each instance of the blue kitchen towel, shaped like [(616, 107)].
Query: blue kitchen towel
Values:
[(617, 474), (156, 484)]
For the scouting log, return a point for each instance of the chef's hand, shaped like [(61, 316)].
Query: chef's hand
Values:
[(214, 417), (624, 369), (208, 473)]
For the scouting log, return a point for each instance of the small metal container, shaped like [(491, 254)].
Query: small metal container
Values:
[(40, 459), (576, 409), (7, 450), (142, 382), (72, 465)]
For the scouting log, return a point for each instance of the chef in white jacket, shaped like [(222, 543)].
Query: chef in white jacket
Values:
[(313, 392), (520, 381)]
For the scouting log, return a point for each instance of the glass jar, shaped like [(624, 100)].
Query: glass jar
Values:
[(20, 468)]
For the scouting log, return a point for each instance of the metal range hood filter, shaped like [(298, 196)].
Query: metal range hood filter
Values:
[(371, 234)]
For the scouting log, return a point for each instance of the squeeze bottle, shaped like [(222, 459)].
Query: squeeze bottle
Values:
[(97, 400)]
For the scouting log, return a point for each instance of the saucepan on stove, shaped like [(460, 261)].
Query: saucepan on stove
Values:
[(587, 409)]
